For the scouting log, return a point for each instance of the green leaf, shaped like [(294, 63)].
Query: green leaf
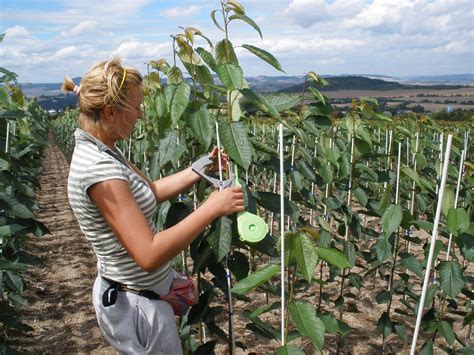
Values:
[(412, 263), (383, 249), (412, 174), (457, 221), (201, 124), (305, 255), (385, 200), (179, 100), (271, 202), (231, 76), (333, 325), (361, 196), (451, 278), (383, 297), (385, 324), (333, 257), (427, 348), (308, 324), (261, 102), (264, 55), (318, 95), (213, 16), (247, 20), (466, 244), (400, 330), (448, 200), (17, 209), (167, 147), (289, 350), (391, 219), (446, 331), (225, 54), (255, 279), (207, 58), (236, 143), (221, 237)]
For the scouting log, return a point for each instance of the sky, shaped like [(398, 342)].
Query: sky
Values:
[(47, 39)]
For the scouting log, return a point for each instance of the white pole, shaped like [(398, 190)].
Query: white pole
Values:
[(282, 238), (432, 246), (398, 172), (293, 144), (8, 137), (456, 198), (228, 275)]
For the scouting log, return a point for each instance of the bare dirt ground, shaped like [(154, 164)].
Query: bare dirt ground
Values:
[(59, 292), (59, 289)]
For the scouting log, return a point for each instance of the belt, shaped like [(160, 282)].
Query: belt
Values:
[(109, 297)]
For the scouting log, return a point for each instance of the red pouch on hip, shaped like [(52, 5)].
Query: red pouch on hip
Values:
[(183, 294)]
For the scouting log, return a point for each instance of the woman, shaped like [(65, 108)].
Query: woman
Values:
[(114, 203)]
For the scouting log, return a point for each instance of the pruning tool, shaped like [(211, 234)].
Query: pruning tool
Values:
[(251, 227)]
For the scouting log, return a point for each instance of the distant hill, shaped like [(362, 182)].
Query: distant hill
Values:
[(50, 97), (353, 82)]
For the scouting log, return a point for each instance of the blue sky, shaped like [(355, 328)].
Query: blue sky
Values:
[(46, 39)]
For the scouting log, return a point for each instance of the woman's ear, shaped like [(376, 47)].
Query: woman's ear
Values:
[(109, 113)]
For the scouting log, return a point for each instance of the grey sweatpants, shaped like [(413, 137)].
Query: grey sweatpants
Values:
[(136, 324)]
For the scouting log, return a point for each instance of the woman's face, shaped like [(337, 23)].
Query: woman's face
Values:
[(128, 118)]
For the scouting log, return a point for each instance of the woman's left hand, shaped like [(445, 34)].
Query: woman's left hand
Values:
[(214, 155)]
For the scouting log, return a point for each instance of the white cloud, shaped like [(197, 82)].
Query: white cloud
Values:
[(67, 52), (81, 28), (181, 11), (17, 32), (135, 49)]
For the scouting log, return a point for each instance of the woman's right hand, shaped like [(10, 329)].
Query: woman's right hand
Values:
[(227, 201)]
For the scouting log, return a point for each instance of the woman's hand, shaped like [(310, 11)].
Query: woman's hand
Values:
[(225, 202), (214, 155)]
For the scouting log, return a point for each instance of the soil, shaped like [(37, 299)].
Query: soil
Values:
[(59, 292)]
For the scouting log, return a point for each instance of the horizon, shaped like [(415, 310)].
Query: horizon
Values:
[(396, 38), (302, 75)]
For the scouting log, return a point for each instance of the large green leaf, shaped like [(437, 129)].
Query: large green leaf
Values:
[(207, 57), (271, 202), (391, 219), (333, 257), (458, 221), (333, 325), (167, 147), (264, 55), (225, 54), (17, 208), (412, 263), (448, 200), (383, 249), (451, 278), (236, 143), (231, 76), (201, 124), (179, 100), (446, 331), (307, 322), (255, 279), (385, 324), (221, 237), (261, 102), (305, 255)]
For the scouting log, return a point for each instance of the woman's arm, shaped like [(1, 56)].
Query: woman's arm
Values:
[(170, 186), (150, 251)]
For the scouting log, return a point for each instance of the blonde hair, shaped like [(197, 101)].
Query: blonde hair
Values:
[(106, 83)]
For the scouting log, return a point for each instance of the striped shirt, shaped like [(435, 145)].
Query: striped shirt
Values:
[(93, 162)]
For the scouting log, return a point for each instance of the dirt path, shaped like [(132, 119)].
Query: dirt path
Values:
[(59, 289)]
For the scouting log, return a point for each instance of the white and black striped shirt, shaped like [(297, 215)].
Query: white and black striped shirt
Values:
[(93, 162)]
